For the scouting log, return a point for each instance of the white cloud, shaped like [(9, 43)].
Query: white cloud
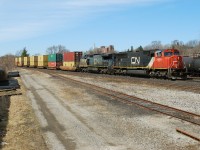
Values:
[(24, 30), (25, 19)]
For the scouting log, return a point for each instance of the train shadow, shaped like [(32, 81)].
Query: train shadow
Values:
[(4, 114)]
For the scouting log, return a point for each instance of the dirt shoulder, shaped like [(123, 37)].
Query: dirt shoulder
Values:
[(19, 125)]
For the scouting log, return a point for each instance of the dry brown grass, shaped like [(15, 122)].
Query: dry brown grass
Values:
[(23, 131)]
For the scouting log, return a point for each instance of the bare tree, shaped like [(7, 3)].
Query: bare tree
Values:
[(37, 54), (23, 52), (56, 49), (192, 43), (154, 45), (18, 53), (94, 51), (191, 48)]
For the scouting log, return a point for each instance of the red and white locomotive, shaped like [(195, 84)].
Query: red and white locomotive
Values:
[(167, 63), (154, 63)]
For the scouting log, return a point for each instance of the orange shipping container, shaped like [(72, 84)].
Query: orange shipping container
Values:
[(54, 65)]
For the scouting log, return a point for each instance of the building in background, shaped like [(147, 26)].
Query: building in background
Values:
[(109, 49)]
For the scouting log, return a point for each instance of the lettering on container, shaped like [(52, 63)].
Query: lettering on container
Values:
[(135, 60)]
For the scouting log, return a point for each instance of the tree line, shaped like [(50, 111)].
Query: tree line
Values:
[(50, 50), (187, 49), (7, 62)]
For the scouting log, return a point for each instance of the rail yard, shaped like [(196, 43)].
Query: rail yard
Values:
[(78, 110), (100, 75), (73, 102)]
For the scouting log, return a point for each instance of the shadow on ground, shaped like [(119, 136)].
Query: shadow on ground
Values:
[(4, 113)]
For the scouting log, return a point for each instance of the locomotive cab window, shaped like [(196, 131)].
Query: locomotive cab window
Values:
[(176, 53), (168, 54), (159, 53)]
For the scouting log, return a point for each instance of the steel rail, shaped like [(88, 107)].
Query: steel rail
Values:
[(182, 85), (167, 110), (188, 134)]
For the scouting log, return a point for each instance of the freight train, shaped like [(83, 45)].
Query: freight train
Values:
[(165, 63), (192, 64)]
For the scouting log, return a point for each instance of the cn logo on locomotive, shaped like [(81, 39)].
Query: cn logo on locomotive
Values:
[(135, 60)]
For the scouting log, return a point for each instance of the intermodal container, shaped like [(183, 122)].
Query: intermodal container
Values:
[(21, 62), (43, 61), (26, 61), (55, 58), (72, 56), (33, 61), (16, 61), (54, 65), (71, 66)]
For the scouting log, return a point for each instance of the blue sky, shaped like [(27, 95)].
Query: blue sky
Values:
[(78, 24)]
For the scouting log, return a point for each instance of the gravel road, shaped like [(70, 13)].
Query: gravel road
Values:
[(79, 119)]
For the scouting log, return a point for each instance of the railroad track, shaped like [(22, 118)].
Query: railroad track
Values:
[(188, 85), (132, 100)]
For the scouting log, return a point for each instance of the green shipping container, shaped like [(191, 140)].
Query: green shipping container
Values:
[(55, 58)]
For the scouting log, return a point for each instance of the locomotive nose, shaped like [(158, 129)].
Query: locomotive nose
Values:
[(176, 58), (179, 58), (177, 62)]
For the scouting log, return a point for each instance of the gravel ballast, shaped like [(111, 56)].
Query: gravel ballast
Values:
[(92, 121)]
